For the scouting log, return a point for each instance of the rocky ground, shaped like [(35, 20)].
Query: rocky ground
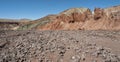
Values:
[(60, 46)]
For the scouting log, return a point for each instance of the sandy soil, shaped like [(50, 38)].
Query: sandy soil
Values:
[(60, 46)]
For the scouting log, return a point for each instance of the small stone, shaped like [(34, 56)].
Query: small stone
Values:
[(83, 57), (73, 57), (94, 61)]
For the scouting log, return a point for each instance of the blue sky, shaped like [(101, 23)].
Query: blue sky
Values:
[(34, 9)]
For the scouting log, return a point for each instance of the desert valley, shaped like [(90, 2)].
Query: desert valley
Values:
[(74, 35)]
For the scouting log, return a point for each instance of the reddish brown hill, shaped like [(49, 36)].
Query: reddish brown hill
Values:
[(82, 19)]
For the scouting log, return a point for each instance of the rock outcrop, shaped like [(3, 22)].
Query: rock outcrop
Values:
[(81, 19)]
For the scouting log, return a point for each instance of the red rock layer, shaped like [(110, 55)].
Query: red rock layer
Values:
[(101, 19)]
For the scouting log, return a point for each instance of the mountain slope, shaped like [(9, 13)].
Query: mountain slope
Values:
[(79, 19)]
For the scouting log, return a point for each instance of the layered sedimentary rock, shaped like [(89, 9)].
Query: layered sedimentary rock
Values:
[(82, 19)]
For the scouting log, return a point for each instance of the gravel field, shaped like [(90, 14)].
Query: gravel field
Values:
[(60, 46)]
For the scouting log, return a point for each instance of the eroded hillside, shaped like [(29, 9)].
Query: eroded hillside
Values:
[(79, 19)]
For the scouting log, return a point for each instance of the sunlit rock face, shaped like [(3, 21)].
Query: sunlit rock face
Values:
[(71, 19), (81, 19)]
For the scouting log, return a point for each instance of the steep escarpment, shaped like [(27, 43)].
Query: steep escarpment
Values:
[(105, 19), (80, 19)]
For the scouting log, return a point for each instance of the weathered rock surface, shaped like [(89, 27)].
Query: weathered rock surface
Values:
[(81, 19), (59, 46)]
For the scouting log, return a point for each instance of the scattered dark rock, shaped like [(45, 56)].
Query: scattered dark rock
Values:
[(54, 46)]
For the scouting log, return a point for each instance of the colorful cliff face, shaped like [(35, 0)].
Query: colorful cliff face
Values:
[(79, 19)]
